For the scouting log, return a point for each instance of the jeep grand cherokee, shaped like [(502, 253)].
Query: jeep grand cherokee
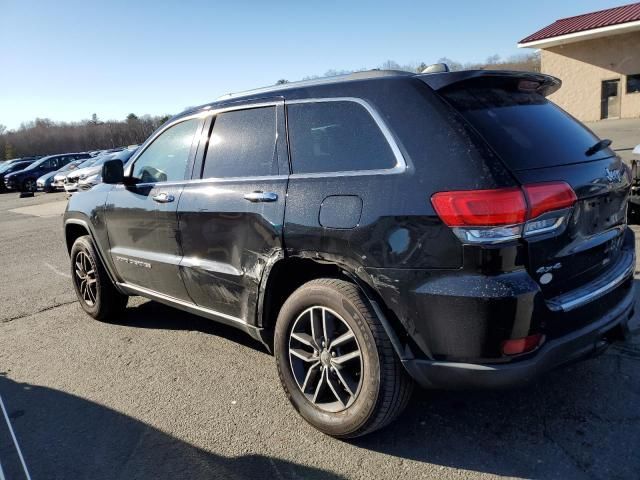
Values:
[(378, 229)]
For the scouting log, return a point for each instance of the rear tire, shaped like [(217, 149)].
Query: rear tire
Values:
[(365, 396), (96, 293)]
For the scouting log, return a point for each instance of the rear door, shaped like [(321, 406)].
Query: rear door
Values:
[(231, 214), (539, 142), (142, 219)]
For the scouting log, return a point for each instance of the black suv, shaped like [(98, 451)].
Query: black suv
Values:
[(454, 229), (25, 180)]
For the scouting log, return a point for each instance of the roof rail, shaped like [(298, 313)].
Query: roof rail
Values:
[(362, 75)]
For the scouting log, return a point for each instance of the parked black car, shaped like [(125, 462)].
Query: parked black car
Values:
[(25, 180), (13, 166), (455, 229)]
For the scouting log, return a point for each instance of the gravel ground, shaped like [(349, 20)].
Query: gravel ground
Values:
[(163, 394)]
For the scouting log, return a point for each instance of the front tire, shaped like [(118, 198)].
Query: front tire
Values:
[(96, 293), (29, 185), (336, 362)]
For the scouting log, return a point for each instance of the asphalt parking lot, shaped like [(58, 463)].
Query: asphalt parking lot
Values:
[(163, 394)]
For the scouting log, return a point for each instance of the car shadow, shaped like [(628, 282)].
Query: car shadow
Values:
[(64, 436), (155, 315), (580, 421)]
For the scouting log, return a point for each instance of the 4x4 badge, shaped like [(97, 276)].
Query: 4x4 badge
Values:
[(549, 268)]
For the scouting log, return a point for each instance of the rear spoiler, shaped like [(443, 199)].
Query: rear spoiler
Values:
[(439, 81)]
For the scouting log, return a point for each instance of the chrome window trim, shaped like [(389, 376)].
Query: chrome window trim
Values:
[(401, 164), (204, 112), (198, 181)]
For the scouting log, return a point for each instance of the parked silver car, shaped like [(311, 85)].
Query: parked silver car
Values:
[(93, 175)]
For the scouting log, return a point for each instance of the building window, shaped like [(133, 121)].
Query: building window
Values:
[(633, 83)]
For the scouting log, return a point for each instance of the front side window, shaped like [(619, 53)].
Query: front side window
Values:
[(165, 160), (242, 144), (336, 136)]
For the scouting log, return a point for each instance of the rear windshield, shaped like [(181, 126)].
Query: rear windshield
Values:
[(524, 128)]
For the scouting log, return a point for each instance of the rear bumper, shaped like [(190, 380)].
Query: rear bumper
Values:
[(453, 323), (588, 341)]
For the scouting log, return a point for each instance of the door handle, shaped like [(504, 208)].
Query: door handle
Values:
[(163, 197), (261, 197)]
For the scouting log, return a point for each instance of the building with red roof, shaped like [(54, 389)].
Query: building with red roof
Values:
[(597, 57)]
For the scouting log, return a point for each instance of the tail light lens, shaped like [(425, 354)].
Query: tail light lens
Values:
[(546, 197), (517, 346), (505, 206), (499, 215)]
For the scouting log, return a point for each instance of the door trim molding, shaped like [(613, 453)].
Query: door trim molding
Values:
[(192, 307)]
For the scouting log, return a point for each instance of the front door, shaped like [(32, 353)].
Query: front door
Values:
[(142, 218), (610, 103), (231, 214)]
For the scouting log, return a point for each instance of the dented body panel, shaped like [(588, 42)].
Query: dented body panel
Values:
[(447, 306)]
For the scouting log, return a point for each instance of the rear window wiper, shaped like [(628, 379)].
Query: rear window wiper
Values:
[(601, 145)]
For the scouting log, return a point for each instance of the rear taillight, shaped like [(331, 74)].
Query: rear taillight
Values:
[(505, 206), (546, 197), (499, 215)]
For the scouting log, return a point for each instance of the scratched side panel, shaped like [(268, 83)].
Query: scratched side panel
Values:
[(227, 242)]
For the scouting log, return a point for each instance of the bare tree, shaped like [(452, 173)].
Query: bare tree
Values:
[(43, 136)]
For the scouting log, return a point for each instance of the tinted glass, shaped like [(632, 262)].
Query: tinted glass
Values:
[(17, 167), (242, 144), (525, 129), (166, 159), (336, 136)]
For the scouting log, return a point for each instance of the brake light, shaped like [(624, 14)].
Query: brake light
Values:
[(505, 206), (499, 215), (546, 197), (517, 346)]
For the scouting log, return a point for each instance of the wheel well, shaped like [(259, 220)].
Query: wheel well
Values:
[(289, 274), (285, 277), (72, 232)]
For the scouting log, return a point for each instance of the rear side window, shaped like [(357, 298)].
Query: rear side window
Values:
[(524, 128), (335, 136), (242, 144)]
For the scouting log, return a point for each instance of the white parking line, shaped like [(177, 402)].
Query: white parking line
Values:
[(56, 271), (1, 473), (15, 442)]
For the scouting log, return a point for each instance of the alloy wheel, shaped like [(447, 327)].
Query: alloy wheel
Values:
[(85, 277), (325, 359)]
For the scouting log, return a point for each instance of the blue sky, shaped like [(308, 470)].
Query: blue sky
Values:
[(65, 60)]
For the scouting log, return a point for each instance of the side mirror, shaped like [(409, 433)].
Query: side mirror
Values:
[(112, 172)]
